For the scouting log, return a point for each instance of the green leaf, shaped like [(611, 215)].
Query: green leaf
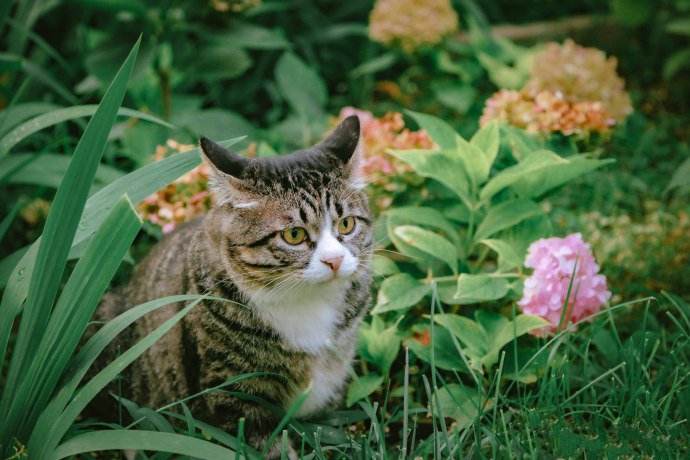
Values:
[(301, 86), (379, 344), (374, 65), (461, 403), (681, 178), (476, 163), (505, 215), (632, 13), (383, 266), (445, 166), (71, 315), (440, 132), (480, 288), (399, 292), (500, 331), (431, 243), (58, 235), (508, 258), (446, 355), (48, 169), (55, 117), (362, 387), (219, 62), (12, 116), (488, 140), (86, 356), (675, 63), (503, 75), (470, 333), (428, 217), (97, 383), (141, 440), (253, 36), (679, 26)]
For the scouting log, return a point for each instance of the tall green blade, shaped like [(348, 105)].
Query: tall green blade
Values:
[(141, 440), (58, 234), (67, 324), (96, 384), (80, 364), (57, 116)]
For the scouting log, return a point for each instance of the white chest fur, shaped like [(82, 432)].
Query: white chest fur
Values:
[(327, 377), (305, 319)]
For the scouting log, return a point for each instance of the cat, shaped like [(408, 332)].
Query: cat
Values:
[(289, 240)]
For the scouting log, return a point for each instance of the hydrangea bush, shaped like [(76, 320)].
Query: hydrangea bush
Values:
[(411, 24), (565, 273), (571, 90)]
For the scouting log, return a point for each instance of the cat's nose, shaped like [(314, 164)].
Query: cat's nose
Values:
[(333, 262)]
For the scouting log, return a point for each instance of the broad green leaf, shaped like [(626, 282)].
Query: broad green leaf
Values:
[(301, 86), (141, 440), (681, 178), (362, 387), (503, 75), (429, 242), (555, 175), (505, 215), (71, 314), (253, 36), (501, 331), (399, 292), (428, 217), (383, 266), (447, 167), (58, 235), (633, 13), (47, 169), (675, 63), (379, 344), (446, 355), (480, 288), (508, 258), (55, 117), (522, 235), (470, 333), (375, 65), (533, 164), (461, 403), (678, 26), (215, 123), (440, 132), (421, 258), (488, 140), (477, 165), (216, 62)]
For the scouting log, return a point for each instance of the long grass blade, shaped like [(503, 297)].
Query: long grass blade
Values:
[(141, 440), (86, 356), (67, 324), (58, 235), (99, 382), (55, 117)]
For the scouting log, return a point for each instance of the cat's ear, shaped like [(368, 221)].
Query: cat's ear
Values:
[(223, 159), (225, 179), (343, 141), (344, 144)]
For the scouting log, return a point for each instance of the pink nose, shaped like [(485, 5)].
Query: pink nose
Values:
[(333, 262)]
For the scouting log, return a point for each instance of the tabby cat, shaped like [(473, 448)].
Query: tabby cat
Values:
[(289, 240)]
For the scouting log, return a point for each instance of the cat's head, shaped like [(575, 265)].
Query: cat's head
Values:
[(297, 218)]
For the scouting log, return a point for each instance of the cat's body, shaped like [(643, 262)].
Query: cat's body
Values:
[(289, 244)]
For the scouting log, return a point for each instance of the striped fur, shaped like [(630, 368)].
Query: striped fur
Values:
[(284, 321)]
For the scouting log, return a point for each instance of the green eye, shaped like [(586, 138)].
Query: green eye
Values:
[(294, 235), (346, 225)]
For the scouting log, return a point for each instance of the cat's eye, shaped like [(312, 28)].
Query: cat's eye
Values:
[(346, 225), (294, 235)]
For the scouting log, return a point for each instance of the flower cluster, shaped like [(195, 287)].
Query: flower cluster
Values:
[(378, 135), (411, 23), (234, 6), (571, 90), (547, 112), (555, 261), (182, 200)]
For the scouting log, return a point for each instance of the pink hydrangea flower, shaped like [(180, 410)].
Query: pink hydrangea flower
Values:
[(545, 292)]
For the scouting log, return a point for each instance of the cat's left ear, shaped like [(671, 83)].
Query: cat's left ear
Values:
[(227, 172), (343, 143)]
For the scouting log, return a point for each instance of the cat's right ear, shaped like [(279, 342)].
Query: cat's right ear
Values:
[(222, 159), (227, 168)]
